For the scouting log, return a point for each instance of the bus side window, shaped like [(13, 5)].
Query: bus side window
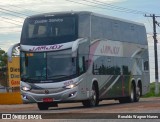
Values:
[(145, 66), (81, 65)]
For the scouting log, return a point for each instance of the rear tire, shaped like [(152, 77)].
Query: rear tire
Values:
[(132, 94), (123, 100), (42, 106), (138, 93), (94, 99), (131, 97)]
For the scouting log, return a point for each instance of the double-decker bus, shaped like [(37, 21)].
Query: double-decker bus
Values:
[(82, 57)]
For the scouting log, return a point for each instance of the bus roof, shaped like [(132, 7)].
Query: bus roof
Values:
[(63, 13)]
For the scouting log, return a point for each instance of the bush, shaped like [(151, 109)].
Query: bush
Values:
[(151, 93)]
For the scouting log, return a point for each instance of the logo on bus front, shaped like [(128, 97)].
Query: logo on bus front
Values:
[(46, 91), (46, 48)]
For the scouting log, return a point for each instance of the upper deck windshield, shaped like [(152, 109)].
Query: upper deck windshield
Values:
[(49, 30)]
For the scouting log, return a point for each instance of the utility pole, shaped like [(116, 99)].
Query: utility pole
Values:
[(155, 52)]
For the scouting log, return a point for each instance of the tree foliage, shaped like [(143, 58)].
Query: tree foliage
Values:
[(3, 58), (3, 67)]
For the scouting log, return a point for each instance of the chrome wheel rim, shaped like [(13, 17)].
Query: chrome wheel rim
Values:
[(94, 97), (132, 93)]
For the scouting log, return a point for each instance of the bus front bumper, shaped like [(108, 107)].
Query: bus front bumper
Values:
[(67, 95)]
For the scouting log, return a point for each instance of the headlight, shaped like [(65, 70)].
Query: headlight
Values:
[(25, 88), (70, 86)]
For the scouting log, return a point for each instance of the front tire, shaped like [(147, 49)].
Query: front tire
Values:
[(42, 106), (94, 99)]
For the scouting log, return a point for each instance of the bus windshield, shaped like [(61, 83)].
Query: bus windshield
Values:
[(49, 30), (47, 66)]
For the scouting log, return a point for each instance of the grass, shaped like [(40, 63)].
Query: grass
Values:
[(151, 93)]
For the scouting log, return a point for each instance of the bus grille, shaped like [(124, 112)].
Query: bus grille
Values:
[(47, 91)]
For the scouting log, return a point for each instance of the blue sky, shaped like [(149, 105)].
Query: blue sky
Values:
[(10, 29)]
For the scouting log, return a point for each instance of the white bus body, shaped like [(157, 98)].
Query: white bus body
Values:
[(82, 56)]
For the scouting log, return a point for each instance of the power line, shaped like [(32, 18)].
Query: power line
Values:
[(113, 8), (11, 22), (18, 7), (85, 4), (12, 14), (24, 8), (95, 6), (110, 7), (158, 25), (149, 23), (2, 27), (11, 19), (155, 52)]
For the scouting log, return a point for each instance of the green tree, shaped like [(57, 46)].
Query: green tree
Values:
[(3, 68), (3, 58)]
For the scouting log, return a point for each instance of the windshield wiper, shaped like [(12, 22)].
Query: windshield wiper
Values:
[(35, 78), (57, 76), (40, 77)]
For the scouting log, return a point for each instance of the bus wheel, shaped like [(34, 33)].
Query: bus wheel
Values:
[(133, 93), (94, 99), (42, 106), (138, 93), (131, 97)]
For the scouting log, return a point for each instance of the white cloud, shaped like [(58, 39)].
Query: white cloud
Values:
[(40, 6), (111, 1), (9, 30), (53, 5), (5, 44)]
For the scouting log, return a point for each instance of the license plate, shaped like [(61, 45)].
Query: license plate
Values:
[(47, 99)]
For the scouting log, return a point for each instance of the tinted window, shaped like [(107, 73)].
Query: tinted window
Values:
[(56, 66), (59, 66), (49, 30), (146, 66), (49, 27)]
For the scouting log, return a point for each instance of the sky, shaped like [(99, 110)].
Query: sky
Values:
[(13, 13)]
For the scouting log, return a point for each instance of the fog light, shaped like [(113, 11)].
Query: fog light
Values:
[(25, 97), (72, 94)]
